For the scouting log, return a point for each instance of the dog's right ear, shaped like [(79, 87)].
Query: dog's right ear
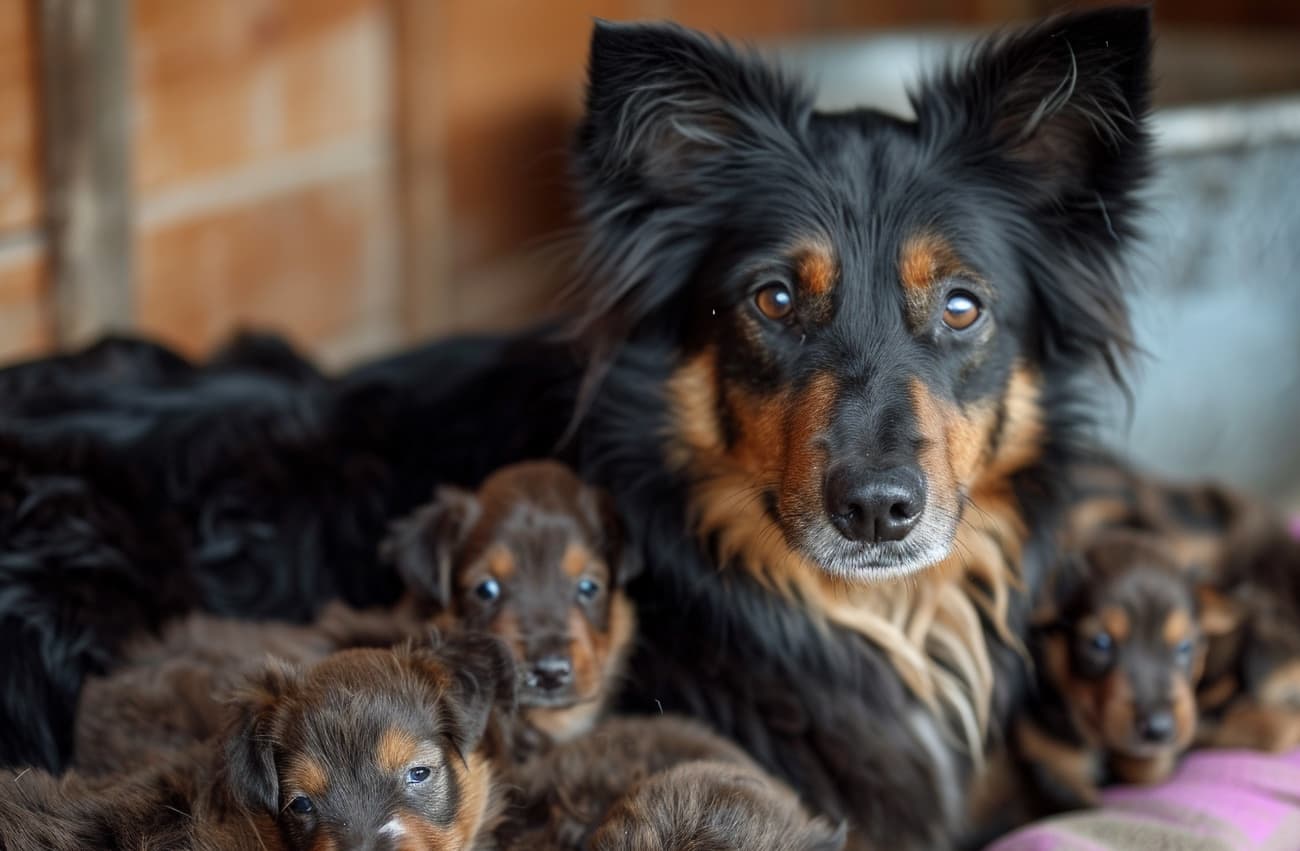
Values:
[(423, 545), (250, 749)]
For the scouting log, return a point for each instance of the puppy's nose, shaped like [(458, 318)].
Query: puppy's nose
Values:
[(1156, 727), (551, 672), (873, 506)]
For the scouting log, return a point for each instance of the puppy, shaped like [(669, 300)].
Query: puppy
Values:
[(376, 749), (537, 558), (171, 691), (1119, 647), (646, 784)]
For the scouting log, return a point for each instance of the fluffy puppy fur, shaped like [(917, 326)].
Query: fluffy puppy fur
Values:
[(170, 692), (638, 784), (369, 748), (1119, 645), (537, 558)]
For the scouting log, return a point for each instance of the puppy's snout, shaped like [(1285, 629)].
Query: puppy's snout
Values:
[(873, 506), (550, 673), (1156, 727)]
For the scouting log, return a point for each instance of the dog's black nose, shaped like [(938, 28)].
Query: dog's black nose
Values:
[(875, 506), (551, 672), (1156, 727)]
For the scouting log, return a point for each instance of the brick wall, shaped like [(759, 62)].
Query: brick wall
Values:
[(355, 173)]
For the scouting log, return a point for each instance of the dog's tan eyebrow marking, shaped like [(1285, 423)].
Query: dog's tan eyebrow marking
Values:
[(307, 775), (926, 258), (1115, 622), (817, 269), (575, 560), (396, 748), (1178, 626), (500, 562)]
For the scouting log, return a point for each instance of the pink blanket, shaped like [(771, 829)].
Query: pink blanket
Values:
[(1216, 801)]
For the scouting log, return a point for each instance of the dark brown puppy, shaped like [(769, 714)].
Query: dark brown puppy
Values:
[(656, 784), (172, 690), (1119, 645), (537, 558), (376, 749), (1249, 695)]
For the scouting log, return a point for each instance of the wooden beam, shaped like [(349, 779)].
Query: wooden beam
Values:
[(85, 78), (429, 301)]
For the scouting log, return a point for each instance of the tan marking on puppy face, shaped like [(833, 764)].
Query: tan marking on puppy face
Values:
[(501, 562), (1183, 707), (817, 269), (395, 749), (1115, 621), (609, 651), (476, 813), (306, 776), (576, 558), (1177, 628)]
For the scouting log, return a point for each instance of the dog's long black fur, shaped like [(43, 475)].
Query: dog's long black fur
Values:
[(695, 163)]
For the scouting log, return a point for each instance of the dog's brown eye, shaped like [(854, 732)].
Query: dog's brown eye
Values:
[(775, 300), (961, 310)]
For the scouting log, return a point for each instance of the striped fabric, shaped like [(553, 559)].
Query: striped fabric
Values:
[(1217, 800)]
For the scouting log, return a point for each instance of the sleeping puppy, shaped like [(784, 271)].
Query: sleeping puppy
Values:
[(376, 749), (656, 784), (537, 558), (1119, 646)]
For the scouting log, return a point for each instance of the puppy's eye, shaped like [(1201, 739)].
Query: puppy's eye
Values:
[(588, 589), (1184, 649), (302, 805), (961, 310), (418, 774), (1101, 643), (774, 300), (487, 590)]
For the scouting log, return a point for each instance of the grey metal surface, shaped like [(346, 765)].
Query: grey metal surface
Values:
[(1217, 301)]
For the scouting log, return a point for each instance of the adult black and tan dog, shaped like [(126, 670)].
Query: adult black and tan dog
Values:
[(826, 363)]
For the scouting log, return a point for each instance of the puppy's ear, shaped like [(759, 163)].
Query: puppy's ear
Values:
[(1055, 117), (482, 675), (617, 550), (1218, 615), (249, 749), (423, 545)]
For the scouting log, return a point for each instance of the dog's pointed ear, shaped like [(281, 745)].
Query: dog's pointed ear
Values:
[(423, 545), (1066, 98), (662, 101), (250, 741), (482, 677)]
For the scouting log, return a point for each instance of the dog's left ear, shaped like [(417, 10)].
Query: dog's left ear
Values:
[(250, 748), (617, 550), (1054, 117), (482, 673), (422, 546)]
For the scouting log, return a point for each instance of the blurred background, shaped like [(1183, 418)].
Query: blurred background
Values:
[(359, 174)]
